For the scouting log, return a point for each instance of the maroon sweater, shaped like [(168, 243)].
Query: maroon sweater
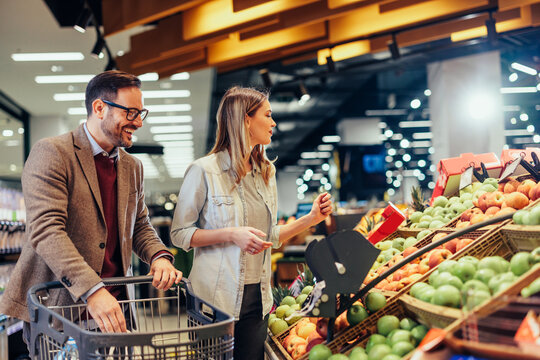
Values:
[(112, 262)]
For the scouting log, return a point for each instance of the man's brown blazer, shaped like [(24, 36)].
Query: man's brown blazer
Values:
[(66, 229)]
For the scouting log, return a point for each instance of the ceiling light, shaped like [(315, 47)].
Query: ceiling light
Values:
[(415, 103), (165, 94), (404, 143), (299, 181), (509, 108), (178, 119), (324, 147), (69, 96), (523, 68), (7, 133), (325, 167), (524, 117), (387, 112), (530, 128), (422, 135), (406, 157), (536, 138), (180, 76), (172, 137), (331, 139), (516, 132), (513, 77), (171, 129), (513, 121), (414, 124), (83, 21), (20, 130), (167, 108), (153, 76), (98, 47), (397, 136), (399, 164), (77, 111), (388, 133), (420, 144), (63, 79), (391, 192), (286, 126), (518, 90), (392, 152), (427, 92), (59, 56)]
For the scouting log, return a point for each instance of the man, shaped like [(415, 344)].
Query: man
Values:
[(85, 210)]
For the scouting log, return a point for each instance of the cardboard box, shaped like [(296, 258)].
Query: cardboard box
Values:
[(393, 217), (509, 155), (450, 171)]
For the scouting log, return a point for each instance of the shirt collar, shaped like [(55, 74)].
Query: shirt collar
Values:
[(96, 149)]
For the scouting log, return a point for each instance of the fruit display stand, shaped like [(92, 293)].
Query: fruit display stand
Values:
[(489, 330), (495, 243), (525, 237)]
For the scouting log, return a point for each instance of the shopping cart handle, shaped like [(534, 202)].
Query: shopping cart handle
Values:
[(125, 280)]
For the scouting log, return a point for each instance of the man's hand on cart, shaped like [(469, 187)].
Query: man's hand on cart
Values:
[(165, 274), (105, 310)]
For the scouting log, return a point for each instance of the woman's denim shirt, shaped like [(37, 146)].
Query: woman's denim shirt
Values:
[(209, 199)]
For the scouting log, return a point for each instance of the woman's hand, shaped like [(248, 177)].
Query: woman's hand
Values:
[(322, 207), (248, 239)]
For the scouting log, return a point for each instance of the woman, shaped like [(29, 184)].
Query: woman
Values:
[(227, 212)]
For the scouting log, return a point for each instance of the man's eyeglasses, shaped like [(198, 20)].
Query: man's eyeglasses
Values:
[(131, 113)]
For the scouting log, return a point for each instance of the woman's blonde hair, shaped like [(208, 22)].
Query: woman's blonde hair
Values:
[(233, 135)]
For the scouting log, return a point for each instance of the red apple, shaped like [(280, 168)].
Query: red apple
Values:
[(501, 187), (462, 224), (409, 251), (506, 210), (478, 218), (314, 342), (482, 202), (492, 210), (495, 198), (322, 327), (534, 193), (399, 274), (467, 214), (463, 243), (437, 256), (526, 186), (451, 245), (510, 186), (516, 200)]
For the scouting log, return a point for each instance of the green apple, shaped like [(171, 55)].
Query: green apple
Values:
[(465, 196), (356, 314), (457, 209), (398, 243), (532, 289), (455, 282), (429, 211), (453, 200), (475, 298), (385, 245), (386, 324), (358, 353), (426, 294), (338, 357), (491, 181), (505, 264), (464, 271), (470, 259), (535, 255), (521, 263), (415, 216), (410, 241), (379, 351), (307, 289), (474, 285), (402, 348), (416, 288), (419, 332), (502, 286), (442, 279), (440, 201), (374, 340), (391, 357), (518, 216), (278, 326), (436, 224), (422, 234), (301, 298), (447, 295), (281, 310), (375, 301), (488, 188), (493, 263), (498, 279), (477, 194), (534, 216), (476, 186), (484, 275), (320, 352), (466, 190), (433, 276), (398, 336), (288, 300), (468, 204), (447, 266), (407, 324), (426, 218)]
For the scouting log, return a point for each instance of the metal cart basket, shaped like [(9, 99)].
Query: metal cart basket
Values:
[(157, 328)]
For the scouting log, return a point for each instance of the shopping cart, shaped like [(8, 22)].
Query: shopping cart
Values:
[(158, 329)]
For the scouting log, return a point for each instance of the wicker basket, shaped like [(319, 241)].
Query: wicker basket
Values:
[(526, 237), (429, 314), (501, 347)]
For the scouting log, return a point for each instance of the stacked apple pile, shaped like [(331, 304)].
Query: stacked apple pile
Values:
[(287, 306), (490, 200), (442, 211), (393, 340), (527, 217), (308, 332), (469, 282), (390, 248), (414, 270)]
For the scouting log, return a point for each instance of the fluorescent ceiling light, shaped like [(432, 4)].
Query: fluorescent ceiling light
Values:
[(518, 90), (386, 112), (523, 68), (58, 56), (516, 132), (178, 119), (315, 155), (63, 79), (420, 144), (173, 144), (171, 129), (324, 147), (524, 140), (308, 162), (331, 139), (414, 124), (165, 137), (164, 94), (153, 76), (167, 108), (422, 135), (511, 108), (68, 96), (180, 76)]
